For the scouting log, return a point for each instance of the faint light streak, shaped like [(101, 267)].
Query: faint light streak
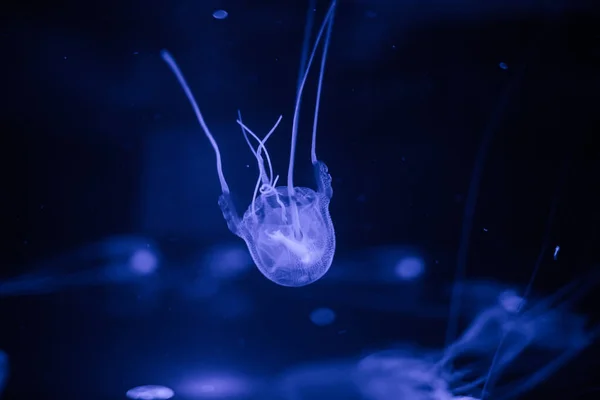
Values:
[(556, 250)]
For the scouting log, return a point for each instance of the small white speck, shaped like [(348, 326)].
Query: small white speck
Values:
[(556, 250), (485, 229), (393, 46), (65, 57)]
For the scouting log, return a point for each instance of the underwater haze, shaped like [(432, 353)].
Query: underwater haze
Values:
[(301, 200)]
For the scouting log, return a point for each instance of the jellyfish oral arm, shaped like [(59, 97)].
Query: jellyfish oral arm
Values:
[(298, 248), (327, 23), (225, 202)]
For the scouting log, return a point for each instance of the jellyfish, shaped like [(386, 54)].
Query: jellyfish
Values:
[(288, 230), (510, 348), (528, 340), (150, 392), (113, 260)]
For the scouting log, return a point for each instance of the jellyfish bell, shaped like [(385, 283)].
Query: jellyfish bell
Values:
[(285, 255), (287, 229)]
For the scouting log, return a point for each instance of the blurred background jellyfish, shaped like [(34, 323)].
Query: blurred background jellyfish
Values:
[(150, 392), (507, 350), (404, 373), (216, 385), (115, 260), (389, 264)]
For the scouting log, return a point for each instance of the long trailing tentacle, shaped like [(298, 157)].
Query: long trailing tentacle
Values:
[(168, 58), (262, 174), (290, 180), (313, 146), (267, 182), (261, 145)]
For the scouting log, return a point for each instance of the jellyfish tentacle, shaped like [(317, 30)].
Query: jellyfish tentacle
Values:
[(261, 146), (229, 213), (262, 174), (313, 146), (305, 42), (290, 180), (168, 58), (268, 185)]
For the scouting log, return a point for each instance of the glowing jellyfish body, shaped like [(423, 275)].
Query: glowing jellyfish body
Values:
[(289, 254), (288, 230)]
